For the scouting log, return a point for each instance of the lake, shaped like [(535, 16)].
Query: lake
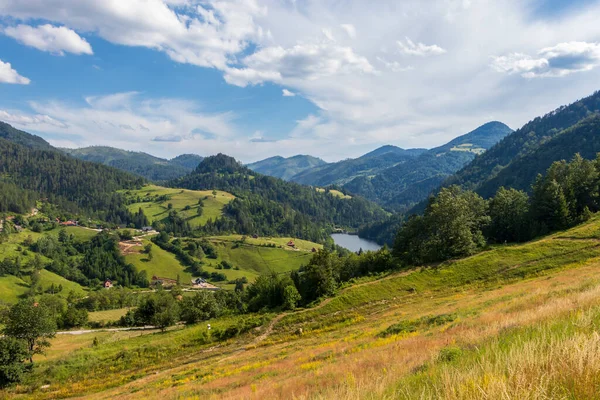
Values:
[(353, 242)]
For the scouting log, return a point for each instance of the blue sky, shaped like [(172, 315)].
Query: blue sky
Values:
[(253, 79)]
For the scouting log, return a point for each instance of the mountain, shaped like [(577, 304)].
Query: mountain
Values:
[(31, 169), (405, 184), (266, 205), (20, 137), (529, 150), (142, 164), (285, 168), (344, 171), (188, 161)]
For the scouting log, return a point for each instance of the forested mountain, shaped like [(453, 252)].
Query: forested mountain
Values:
[(75, 186), (142, 164), (271, 206), (26, 139), (486, 173), (344, 171), (188, 161), (285, 168), (405, 184)]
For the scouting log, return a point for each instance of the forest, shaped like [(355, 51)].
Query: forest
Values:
[(267, 205)]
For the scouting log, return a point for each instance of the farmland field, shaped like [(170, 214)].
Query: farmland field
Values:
[(179, 199), (401, 336)]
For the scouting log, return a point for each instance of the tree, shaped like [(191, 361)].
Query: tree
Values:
[(549, 205), (319, 277), (32, 323), (160, 310), (13, 353), (200, 210), (199, 307), (509, 214), (451, 227), (291, 297)]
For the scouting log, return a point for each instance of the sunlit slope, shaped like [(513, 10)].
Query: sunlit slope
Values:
[(185, 202), (377, 339)]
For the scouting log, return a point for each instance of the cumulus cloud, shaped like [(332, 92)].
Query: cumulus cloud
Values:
[(168, 138), (408, 47), (349, 29), (557, 61), (206, 34), (53, 39), (361, 97), (9, 75), (112, 120), (287, 93), (304, 61)]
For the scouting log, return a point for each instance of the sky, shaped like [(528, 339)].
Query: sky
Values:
[(257, 78)]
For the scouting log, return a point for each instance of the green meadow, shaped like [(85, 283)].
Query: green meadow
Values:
[(180, 199)]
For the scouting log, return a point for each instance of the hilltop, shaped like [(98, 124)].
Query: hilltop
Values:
[(285, 168), (272, 207), (401, 186), (142, 164)]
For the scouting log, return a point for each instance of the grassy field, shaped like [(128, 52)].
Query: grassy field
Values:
[(108, 315), (163, 263), (513, 322), (179, 198), (253, 259), (11, 288), (336, 193)]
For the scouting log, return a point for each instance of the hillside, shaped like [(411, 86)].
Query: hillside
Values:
[(272, 207), (344, 171), (142, 164), (285, 168), (523, 143), (424, 333), (154, 202), (403, 185), (23, 138), (75, 186), (582, 138)]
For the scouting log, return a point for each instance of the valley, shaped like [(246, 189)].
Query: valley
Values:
[(227, 283)]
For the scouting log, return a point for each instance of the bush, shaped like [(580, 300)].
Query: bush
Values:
[(13, 353)]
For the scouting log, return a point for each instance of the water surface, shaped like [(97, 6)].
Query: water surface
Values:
[(353, 242)]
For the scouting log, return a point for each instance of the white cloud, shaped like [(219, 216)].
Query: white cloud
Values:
[(356, 83), (287, 93), (349, 29), (408, 47), (53, 39), (9, 75), (560, 60), (395, 66), (207, 34), (303, 61), (125, 120)]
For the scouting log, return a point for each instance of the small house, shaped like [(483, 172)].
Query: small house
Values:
[(147, 228), (291, 243), (108, 284), (255, 236), (314, 250)]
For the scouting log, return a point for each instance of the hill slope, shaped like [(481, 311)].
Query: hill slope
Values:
[(285, 168), (142, 164), (405, 184), (28, 173), (524, 142), (270, 206), (369, 164), (23, 138), (460, 330)]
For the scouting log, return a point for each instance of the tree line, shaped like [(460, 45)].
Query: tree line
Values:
[(458, 223)]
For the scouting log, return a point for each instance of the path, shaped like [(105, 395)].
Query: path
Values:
[(83, 332)]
